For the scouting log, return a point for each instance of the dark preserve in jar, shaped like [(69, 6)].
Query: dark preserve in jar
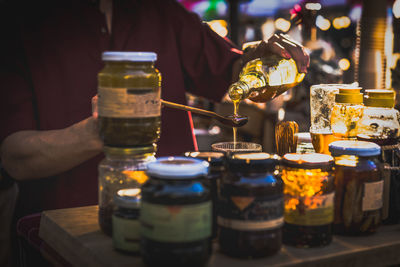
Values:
[(250, 210), (176, 213), (129, 88), (216, 170), (309, 199)]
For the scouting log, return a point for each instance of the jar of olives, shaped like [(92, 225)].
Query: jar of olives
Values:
[(129, 105)]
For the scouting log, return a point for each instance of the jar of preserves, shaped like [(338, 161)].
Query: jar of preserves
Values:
[(176, 213), (346, 112), (121, 168), (359, 187), (250, 211), (125, 221), (216, 170), (380, 124), (129, 106), (309, 199)]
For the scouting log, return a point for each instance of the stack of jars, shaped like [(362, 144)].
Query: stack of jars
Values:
[(129, 126)]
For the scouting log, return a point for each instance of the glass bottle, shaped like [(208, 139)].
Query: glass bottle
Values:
[(346, 113), (359, 187), (309, 199), (121, 168), (263, 79), (380, 124), (129, 99), (250, 209), (176, 213)]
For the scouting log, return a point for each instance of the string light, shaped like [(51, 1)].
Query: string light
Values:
[(282, 24), (322, 23), (344, 64)]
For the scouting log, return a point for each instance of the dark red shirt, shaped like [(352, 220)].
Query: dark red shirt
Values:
[(49, 72)]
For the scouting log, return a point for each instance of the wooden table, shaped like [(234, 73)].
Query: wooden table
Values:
[(74, 234)]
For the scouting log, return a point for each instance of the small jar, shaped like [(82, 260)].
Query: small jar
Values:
[(216, 170), (121, 168), (359, 187), (125, 221), (176, 213), (309, 199), (250, 211), (346, 113), (129, 107)]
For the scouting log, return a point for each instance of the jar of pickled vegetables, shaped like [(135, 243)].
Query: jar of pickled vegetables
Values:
[(346, 113), (120, 169), (250, 211), (129, 105), (359, 187), (309, 199)]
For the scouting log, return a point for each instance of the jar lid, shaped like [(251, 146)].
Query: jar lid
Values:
[(128, 198), (349, 95), (357, 148), (308, 161), (128, 151), (260, 161), (177, 168), (379, 98), (214, 158), (129, 56)]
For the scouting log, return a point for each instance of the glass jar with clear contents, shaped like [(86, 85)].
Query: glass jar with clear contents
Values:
[(121, 168), (129, 108), (359, 187)]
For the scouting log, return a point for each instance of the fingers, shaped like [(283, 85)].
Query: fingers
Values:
[(297, 51)]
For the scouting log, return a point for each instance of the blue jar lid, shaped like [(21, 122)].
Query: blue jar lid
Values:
[(356, 148), (177, 168)]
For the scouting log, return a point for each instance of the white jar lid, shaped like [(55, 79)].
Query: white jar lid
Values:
[(129, 56), (177, 168)]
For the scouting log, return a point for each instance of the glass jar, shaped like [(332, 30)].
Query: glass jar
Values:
[(125, 220), (216, 170), (176, 213), (346, 113), (380, 124), (359, 187), (129, 105), (121, 168), (309, 199), (250, 210)]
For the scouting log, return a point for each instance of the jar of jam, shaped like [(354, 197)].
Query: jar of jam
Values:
[(359, 187), (125, 221), (250, 211), (309, 199), (176, 213), (121, 168), (129, 105), (346, 112), (216, 170)]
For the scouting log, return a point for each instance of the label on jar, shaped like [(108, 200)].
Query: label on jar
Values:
[(251, 213), (180, 223), (309, 211), (126, 234), (373, 196), (128, 103)]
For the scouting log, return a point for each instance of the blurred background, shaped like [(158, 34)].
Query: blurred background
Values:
[(348, 41)]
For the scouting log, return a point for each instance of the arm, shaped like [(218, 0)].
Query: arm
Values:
[(35, 154)]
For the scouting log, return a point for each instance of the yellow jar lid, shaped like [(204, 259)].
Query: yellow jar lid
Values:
[(349, 95), (379, 98)]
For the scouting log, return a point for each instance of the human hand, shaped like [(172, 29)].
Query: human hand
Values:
[(278, 44)]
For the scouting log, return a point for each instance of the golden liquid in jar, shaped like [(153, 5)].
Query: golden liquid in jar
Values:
[(321, 141)]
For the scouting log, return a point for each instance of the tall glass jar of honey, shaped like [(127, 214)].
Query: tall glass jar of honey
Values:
[(129, 108)]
